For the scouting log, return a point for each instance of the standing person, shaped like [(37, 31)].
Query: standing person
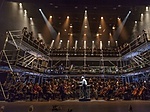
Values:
[(84, 86), (62, 91)]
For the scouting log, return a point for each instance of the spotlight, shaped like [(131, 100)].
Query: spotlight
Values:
[(129, 11), (146, 8), (97, 34), (85, 17), (40, 9), (25, 11), (102, 17), (67, 17), (51, 17), (116, 43), (100, 27), (70, 26), (30, 18), (142, 14), (85, 11), (135, 22), (118, 18), (113, 27), (20, 4), (85, 26)]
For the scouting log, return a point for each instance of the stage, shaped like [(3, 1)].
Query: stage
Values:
[(77, 106)]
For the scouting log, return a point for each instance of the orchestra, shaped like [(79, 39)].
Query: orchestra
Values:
[(64, 89)]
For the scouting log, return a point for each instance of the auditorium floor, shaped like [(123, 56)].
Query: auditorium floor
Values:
[(77, 106)]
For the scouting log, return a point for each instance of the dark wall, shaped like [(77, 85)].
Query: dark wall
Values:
[(12, 18)]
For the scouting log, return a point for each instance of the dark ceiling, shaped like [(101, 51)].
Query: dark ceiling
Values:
[(91, 2)]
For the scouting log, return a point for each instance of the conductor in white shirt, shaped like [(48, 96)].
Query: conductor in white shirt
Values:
[(84, 86)]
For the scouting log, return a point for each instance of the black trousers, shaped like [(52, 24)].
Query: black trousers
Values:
[(84, 88)]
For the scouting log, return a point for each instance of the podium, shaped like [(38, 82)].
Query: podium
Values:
[(82, 96)]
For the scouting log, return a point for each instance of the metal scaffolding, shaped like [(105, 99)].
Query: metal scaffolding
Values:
[(17, 52), (20, 50)]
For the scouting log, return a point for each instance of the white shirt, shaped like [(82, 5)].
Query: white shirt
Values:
[(84, 82)]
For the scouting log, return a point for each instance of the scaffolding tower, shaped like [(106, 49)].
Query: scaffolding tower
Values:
[(18, 52)]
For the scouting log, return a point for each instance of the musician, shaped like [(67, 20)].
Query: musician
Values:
[(62, 91), (84, 86)]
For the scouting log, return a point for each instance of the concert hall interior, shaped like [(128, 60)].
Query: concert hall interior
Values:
[(57, 54)]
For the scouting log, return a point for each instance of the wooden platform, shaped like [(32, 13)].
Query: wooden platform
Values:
[(77, 106)]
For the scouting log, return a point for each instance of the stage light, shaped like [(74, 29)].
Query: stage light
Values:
[(102, 17), (85, 26), (85, 17), (58, 33), (70, 26), (113, 28), (85, 34), (108, 43), (65, 30), (118, 18), (56, 7), (116, 43), (40, 9), (52, 43), (51, 17), (101, 45), (75, 7), (97, 34), (84, 44), (146, 8), (99, 27), (71, 34), (60, 40), (68, 44), (129, 11), (135, 22), (142, 14), (67, 17), (20, 6), (93, 45), (25, 12), (76, 43), (31, 21)]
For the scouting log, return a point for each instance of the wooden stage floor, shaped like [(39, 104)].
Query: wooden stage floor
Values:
[(77, 106)]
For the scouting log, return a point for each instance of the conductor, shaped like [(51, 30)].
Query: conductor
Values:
[(84, 87)]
